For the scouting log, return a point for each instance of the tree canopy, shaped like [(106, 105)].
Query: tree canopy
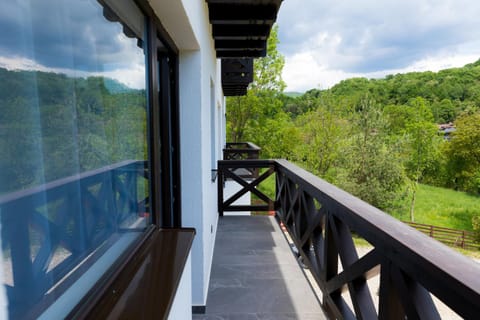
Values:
[(376, 138)]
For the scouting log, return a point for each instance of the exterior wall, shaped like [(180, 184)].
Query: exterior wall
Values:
[(187, 23), (183, 297)]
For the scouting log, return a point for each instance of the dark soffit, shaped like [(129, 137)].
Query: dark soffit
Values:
[(240, 29)]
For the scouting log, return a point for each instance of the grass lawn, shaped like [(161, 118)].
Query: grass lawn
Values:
[(267, 186), (436, 206), (444, 207)]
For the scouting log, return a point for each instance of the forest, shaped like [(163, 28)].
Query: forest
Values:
[(53, 126), (376, 138)]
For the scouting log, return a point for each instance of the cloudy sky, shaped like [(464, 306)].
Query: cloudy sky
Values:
[(325, 41), (68, 37)]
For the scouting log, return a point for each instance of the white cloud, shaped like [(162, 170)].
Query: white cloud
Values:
[(303, 72), (133, 75), (326, 41), (20, 63)]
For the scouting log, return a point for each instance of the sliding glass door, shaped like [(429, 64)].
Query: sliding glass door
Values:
[(89, 142)]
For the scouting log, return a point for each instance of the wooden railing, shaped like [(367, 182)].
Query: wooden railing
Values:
[(49, 230), (322, 221), (452, 237), (242, 151), (234, 170)]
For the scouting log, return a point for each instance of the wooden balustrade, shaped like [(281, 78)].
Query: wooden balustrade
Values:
[(323, 220), (242, 151), (49, 230), (234, 170)]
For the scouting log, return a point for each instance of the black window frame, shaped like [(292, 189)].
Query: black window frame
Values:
[(163, 122)]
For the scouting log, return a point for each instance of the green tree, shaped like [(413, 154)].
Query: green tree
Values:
[(443, 111), (373, 172), (464, 153), (423, 144), (268, 70), (398, 117), (262, 99), (412, 126), (323, 134), (278, 136), (241, 112)]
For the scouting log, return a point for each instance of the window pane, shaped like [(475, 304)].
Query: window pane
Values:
[(73, 161)]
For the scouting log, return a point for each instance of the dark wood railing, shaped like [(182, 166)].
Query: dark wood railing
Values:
[(452, 237), (323, 220), (242, 151), (48, 230), (234, 170)]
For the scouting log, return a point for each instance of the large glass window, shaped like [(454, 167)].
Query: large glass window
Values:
[(73, 146)]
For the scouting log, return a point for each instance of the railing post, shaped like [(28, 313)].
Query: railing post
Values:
[(220, 183), (330, 270), (18, 237), (390, 307)]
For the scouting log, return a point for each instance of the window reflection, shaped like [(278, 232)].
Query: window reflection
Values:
[(73, 169)]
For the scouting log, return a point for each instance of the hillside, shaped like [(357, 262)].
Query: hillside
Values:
[(448, 91), (378, 139), (445, 208)]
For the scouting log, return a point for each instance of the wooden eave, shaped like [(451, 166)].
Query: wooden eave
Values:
[(240, 29), (234, 91), (240, 44), (237, 71)]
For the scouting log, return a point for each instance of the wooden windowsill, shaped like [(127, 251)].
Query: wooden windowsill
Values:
[(144, 285)]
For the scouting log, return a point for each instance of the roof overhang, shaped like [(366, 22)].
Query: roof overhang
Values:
[(237, 74), (240, 29)]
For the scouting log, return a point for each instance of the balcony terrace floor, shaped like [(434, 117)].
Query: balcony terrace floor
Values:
[(255, 275)]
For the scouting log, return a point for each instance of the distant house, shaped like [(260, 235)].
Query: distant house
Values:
[(445, 129)]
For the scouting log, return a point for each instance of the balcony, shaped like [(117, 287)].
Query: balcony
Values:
[(255, 276), (401, 274)]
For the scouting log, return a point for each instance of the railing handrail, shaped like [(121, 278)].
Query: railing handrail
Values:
[(245, 146), (22, 194), (414, 263), (396, 240), (248, 163)]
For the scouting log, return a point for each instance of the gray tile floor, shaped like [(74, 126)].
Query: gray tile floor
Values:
[(255, 275)]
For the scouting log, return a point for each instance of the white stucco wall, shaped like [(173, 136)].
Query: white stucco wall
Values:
[(187, 23), (191, 150), (183, 296)]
